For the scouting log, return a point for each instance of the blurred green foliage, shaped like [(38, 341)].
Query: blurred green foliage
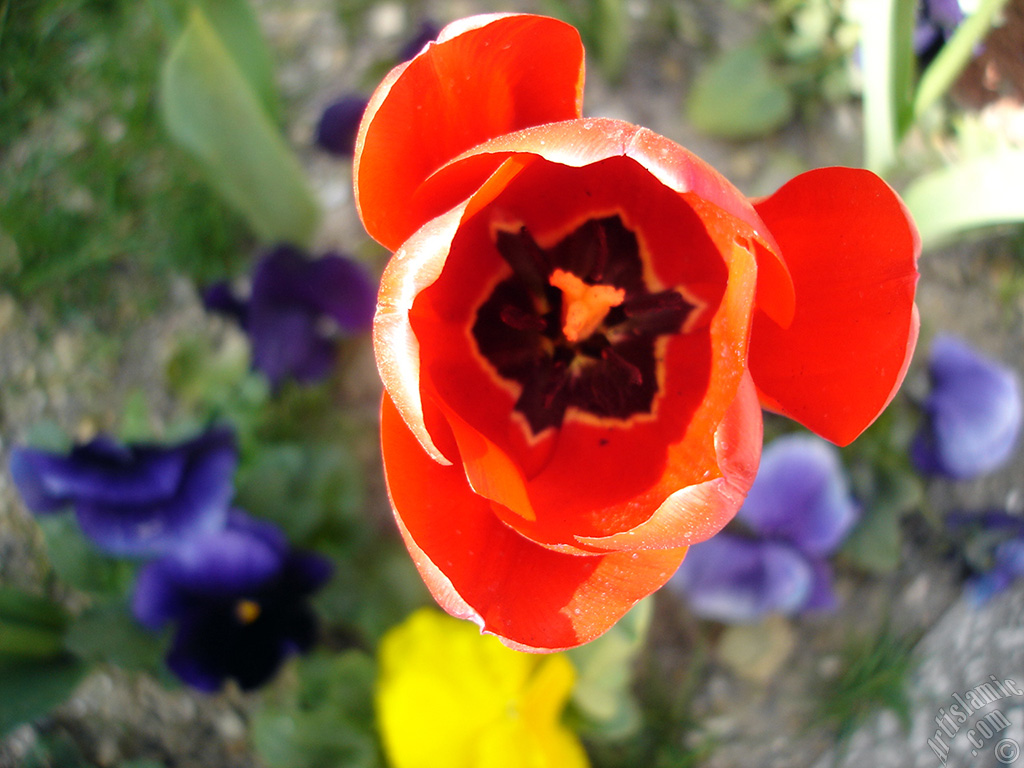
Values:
[(875, 674), (89, 184)]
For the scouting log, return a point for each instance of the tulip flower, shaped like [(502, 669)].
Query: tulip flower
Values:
[(135, 499), (447, 696), (237, 598), (799, 510), (582, 320), (973, 413), (297, 310)]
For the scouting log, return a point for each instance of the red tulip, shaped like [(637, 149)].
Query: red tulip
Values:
[(581, 322)]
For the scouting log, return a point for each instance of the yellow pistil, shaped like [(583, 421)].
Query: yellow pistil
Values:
[(584, 307), (247, 611)]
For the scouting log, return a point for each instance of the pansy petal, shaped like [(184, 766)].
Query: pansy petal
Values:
[(736, 580), (31, 470), (339, 123), (227, 562), (973, 413), (342, 289), (852, 250), (156, 598), (197, 507), (99, 471), (822, 595), (478, 568), (485, 76), (801, 495)]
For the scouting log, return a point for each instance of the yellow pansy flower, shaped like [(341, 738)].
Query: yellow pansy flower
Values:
[(450, 697)]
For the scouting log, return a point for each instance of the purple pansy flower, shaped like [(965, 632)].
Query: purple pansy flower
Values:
[(237, 598), (799, 510), (937, 20), (1007, 567), (297, 309), (134, 499), (972, 414), (1002, 534), (336, 131)]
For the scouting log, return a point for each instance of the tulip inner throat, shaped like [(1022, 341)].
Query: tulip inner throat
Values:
[(575, 326)]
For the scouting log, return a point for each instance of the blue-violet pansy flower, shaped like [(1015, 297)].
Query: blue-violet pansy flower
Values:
[(799, 510), (297, 310), (972, 414), (133, 499), (238, 600)]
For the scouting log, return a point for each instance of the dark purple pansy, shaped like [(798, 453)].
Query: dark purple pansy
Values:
[(238, 600), (972, 414), (336, 131), (297, 310), (798, 511), (134, 499)]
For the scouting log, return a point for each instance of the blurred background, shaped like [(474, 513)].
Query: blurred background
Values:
[(162, 162)]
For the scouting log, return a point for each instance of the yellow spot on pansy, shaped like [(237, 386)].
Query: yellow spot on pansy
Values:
[(450, 696), (247, 611), (584, 307)]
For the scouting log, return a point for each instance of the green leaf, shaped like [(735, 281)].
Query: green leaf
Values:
[(958, 50), (77, 563), (31, 688), (609, 27), (108, 633), (239, 29), (605, 668), (738, 95), (302, 487), (18, 606), (327, 721), (875, 543), (975, 193), (210, 109), (21, 641), (136, 418), (887, 55)]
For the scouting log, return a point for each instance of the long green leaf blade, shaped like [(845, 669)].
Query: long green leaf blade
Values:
[(976, 193), (886, 52), (210, 109)]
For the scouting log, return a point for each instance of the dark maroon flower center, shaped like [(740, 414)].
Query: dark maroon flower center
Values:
[(576, 326)]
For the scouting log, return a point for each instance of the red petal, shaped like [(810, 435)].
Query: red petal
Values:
[(532, 598), (485, 76), (696, 513), (414, 267), (852, 250)]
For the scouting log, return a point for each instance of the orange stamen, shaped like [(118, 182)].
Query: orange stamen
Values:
[(584, 307)]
